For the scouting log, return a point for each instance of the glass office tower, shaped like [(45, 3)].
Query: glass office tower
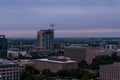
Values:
[(3, 46)]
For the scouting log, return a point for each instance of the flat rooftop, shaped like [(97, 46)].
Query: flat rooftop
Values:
[(75, 47), (116, 64), (5, 64), (54, 61)]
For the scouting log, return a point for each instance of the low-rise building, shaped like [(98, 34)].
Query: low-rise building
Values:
[(110, 72), (10, 70), (111, 46), (79, 53), (15, 53), (55, 64), (27, 62)]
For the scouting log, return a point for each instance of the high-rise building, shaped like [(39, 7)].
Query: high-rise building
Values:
[(110, 72), (45, 39), (3, 46)]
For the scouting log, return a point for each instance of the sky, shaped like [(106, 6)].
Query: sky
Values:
[(74, 18)]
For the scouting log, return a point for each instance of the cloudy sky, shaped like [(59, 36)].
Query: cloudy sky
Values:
[(74, 18)]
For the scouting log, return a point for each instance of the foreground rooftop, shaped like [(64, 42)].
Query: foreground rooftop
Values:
[(55, 61)]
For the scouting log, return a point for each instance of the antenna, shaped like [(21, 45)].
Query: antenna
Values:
[(52, 25)]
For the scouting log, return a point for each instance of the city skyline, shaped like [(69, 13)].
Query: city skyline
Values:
[(74, 18)]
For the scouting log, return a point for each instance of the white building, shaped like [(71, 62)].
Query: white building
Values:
[(16, 53), (111, 46)]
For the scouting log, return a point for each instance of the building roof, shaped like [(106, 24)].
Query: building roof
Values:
[(76, 47), (5, 64), (2, 36), (55, 61), (116, 64)]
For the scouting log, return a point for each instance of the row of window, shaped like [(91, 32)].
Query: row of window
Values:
[(11, 73), (3, 70)]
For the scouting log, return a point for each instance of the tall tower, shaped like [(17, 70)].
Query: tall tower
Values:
[(3, 46), (45, 39)]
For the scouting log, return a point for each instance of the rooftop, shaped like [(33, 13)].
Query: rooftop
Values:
[(116, 64), (2, 36), (76, 47), (55, 61), (5, 64)]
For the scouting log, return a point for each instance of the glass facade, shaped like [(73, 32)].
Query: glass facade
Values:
[(3, 46)]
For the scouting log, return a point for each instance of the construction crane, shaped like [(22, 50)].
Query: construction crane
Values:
[(52, 25)]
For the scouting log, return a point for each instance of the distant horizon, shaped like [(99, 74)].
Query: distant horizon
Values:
[(64, 33), (66, 37)]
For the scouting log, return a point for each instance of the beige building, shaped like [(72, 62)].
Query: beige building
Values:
[(55, 64), (110, 72), (27, 62), (78, 53)]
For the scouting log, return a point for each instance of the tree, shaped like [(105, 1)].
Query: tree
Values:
[(29, 73), (100, 60), (64, 73), (39, 77), (82, 74), (83, 64), (48, 73), (115, 57), (29, 78)]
